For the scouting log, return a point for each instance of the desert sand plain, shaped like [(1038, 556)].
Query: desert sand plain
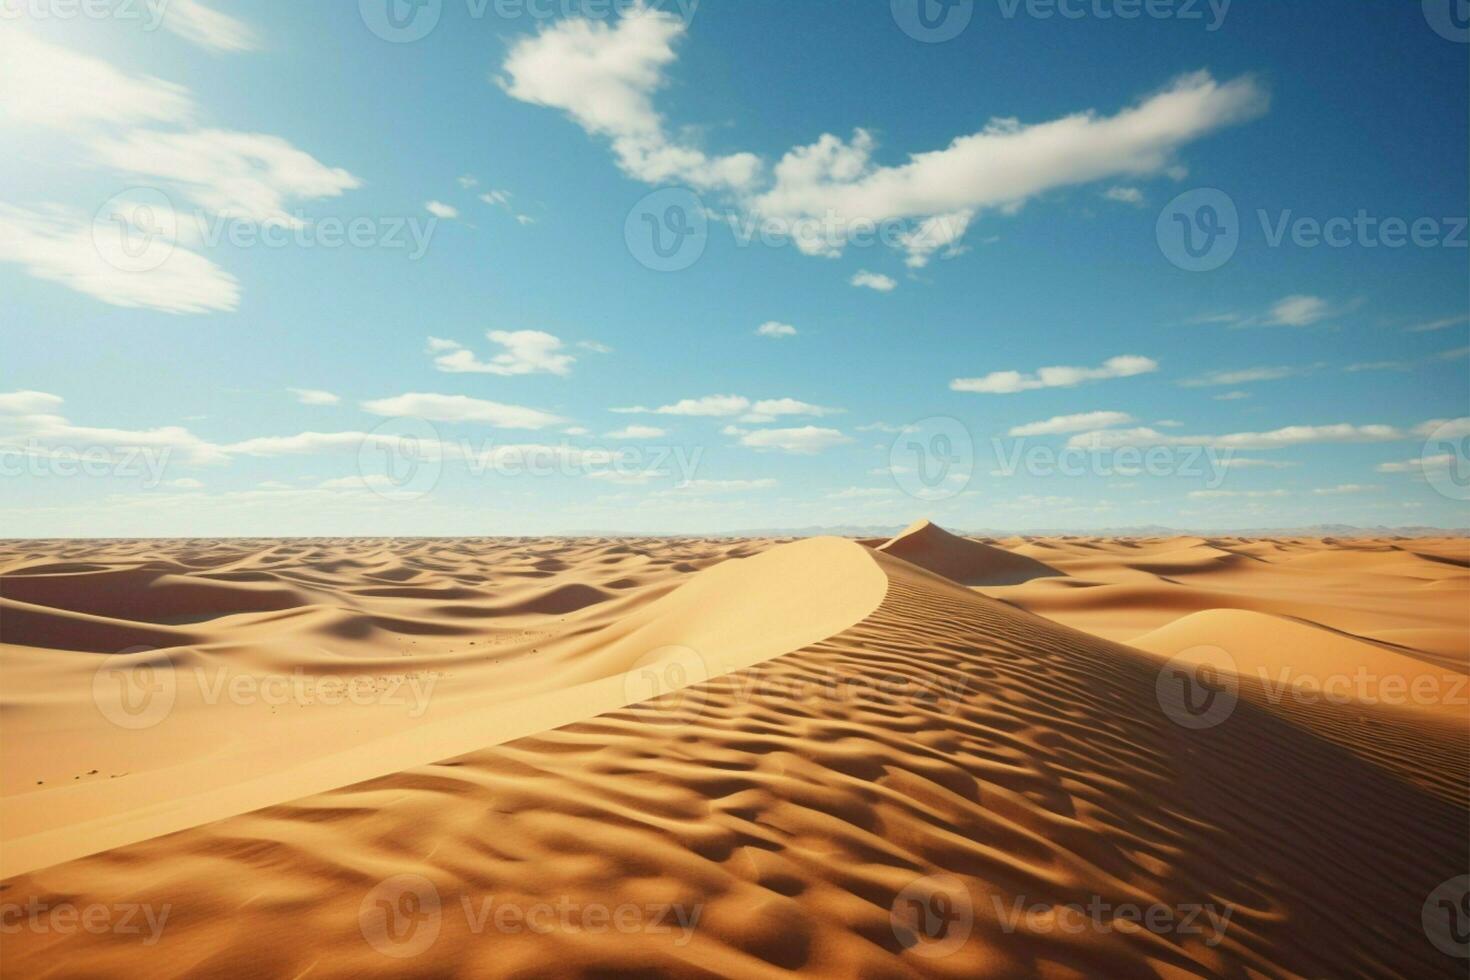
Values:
[(930, 756)]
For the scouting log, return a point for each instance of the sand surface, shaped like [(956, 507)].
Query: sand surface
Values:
[(931, 756)]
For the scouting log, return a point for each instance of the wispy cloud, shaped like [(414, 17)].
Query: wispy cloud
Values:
[(1010, 382)]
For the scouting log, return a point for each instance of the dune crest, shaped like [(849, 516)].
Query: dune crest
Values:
[(960, 560)]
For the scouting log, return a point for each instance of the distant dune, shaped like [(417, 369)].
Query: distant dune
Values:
[(772, 757)]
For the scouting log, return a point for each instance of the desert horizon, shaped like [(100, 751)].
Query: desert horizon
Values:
[(734, 489)]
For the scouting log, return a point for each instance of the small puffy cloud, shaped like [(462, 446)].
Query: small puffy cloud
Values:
[(185, 483), (942, 231), (594, 347), (1124, 195), (1247, 494), (439, 344), (638, 432), (1298, 311), (769, 409), (441, 210), (1010, 382), (461, 408), (722, 486), (1231, 396), (1344, 488), (314, 396), (875, 281), (467, 181), (1081, 422), (773, 328), (525, 352), (1437, 461), (801, 441)]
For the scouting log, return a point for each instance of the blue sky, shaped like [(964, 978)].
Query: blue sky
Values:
[(284, 268)]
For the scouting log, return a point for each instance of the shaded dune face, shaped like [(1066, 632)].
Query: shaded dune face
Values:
[(961, 560), (797, 811)]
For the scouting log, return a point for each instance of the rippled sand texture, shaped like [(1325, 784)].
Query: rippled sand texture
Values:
[(920, 793)]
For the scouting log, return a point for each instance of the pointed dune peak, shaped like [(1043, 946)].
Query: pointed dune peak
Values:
[(961, 560)]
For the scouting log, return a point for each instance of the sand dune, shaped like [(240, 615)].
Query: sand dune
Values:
[(962, 560), (887, 773)]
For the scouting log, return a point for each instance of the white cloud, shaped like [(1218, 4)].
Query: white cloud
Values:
[(604, 76), (467, 181), (525, 352), (441, 210), (1344, 488), (638, 432), (29, 402), (1291, 435), (1440, 324), (1005, 163), (772, 328), (461, 408), (45, 85), (1010, 382), (1444, 428), (769, 409), (1231, 396), (207, 27), (710, 406), (722, 486), (941, 231), (875, 281), (1438, 461), (185, 483), (1124, 195), (1250, 494), (594, 347), (1081, 422), (803, 441), (496, 197), (235, 175), (1247, 462), (314, 396), (437, 344), (1298, 311), (1245, 376), (103, 260)]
